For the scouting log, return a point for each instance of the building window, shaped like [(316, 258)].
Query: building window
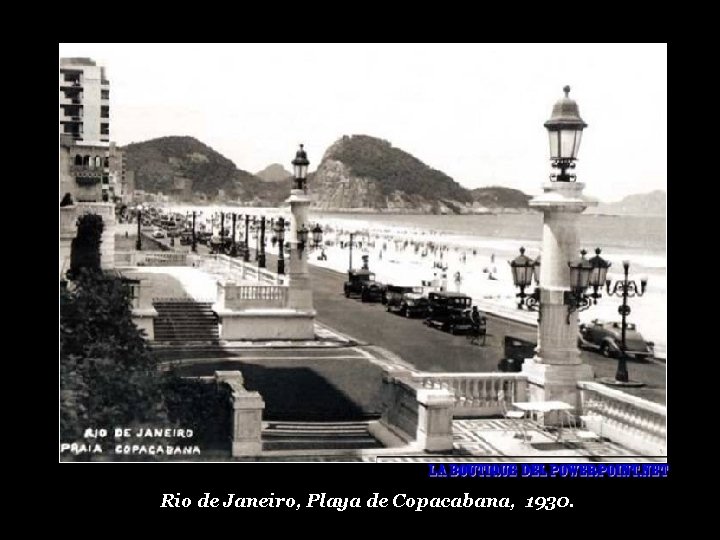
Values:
[(107, 161), (105, 94), (78, 159), (86, 161), (98, 162)]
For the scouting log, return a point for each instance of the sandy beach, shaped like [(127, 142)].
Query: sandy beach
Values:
[(473, 264)]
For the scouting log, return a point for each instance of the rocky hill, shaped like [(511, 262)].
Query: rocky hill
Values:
[(364, 173), (642, 204), (500, 197), (357, 173), (274, 173), (187, 169)]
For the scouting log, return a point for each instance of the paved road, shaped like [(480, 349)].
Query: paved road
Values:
[(433, 350)]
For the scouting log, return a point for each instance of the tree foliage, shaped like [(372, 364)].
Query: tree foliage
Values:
[(108, 376), (85, 247)]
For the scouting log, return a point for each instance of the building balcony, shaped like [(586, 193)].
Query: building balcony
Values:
[(71, 84)]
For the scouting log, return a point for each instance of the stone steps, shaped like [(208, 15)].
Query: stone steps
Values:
[(288, 436), (185, 321)]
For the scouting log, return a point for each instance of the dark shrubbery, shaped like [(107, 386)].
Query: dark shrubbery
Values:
[(204, 407), (108, 376), (85, 248)]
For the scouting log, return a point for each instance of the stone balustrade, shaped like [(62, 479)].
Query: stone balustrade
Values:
[(150, 258), (636, 423), (237, 269), (476, 394), (421, 417), (241, 296)]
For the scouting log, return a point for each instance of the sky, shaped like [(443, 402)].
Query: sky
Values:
[(475, 112)]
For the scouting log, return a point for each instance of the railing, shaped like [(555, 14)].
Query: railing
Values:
[(150, 258), (239, 270), (476, 394), (634, 422), (232, 296)]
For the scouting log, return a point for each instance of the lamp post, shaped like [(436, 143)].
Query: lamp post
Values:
[(557, 365), (194, 241), (625, 289), (352, 235), (300, 168), (280, 235), (261, 256), (565, 129), (257, 238), (233, 249), (523, 268), (138, 243), (302, 236), (246, 254), (317, 235)]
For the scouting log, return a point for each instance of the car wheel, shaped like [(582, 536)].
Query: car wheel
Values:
[(347, 294), (408, 315), (605, 350)]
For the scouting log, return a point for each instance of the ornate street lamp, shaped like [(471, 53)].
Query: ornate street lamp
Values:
[(523, 268), (280, 236), (625, 289), (302, 236), (246, 253), (598, 274), (261, 255), (565, 129), (575, 299), (317, 235), (194, 240), (138, 243), (300, 168)]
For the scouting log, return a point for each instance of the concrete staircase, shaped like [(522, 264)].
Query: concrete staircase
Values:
[(184, 320), (286, 436)]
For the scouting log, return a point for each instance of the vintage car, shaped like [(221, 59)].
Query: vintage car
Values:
[(186, 238), (449, 311), (606, 337), (516, 351), (362, 283), (407, 301), (158, 233)]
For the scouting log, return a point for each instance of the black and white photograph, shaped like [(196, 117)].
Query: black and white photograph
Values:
[(368, 253)]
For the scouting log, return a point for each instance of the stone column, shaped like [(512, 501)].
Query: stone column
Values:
[(300, 291), (68, 231), (435, 414), (557, 367), (247, 415)]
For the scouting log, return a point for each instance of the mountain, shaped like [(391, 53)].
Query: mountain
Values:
[(188, 170), (274, 173), (642, 204), (500, 197), (364, 173)]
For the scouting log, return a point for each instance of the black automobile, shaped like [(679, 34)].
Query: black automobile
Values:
[(186, 238), (606, 338), (407, 301), (450, 312), (362, 283), (516, 351)]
